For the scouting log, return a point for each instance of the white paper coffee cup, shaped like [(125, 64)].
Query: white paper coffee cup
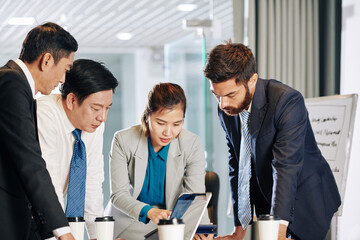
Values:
[(77, 227), (105, 228), (171, 229), (267, 227)]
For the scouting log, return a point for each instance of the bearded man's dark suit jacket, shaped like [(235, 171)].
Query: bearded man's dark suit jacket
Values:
[(26, 190), (290, 177)]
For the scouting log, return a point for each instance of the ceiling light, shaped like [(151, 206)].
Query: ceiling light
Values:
[(63, 18), (124, 36), (186, 7), (21, 21)]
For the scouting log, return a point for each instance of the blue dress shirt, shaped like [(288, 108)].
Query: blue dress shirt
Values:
[(153, 190)]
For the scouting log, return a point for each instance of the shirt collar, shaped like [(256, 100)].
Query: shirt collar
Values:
[(27, 75), (162, 153), (250, 105), (248, 110), (68, 125)]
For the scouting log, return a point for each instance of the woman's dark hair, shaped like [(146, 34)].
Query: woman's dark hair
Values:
[(50, 38), (163, 96), (230, 60), (87, 77)]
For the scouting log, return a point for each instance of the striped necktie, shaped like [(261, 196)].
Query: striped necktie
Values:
[(244, 175), (77, 182)]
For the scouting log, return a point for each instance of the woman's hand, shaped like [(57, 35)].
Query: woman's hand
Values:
[(203, 237), (156, 214), (238, 234), (229, 237)]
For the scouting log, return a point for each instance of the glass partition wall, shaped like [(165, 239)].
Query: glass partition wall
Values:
[(184, 63)]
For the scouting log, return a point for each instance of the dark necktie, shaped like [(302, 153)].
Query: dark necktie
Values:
[(77, 182), (244, 175)]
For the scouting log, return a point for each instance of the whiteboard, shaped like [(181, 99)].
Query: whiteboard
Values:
[(332, 120)]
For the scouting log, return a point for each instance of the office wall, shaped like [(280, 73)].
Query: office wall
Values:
[(184, 66), (349, 222)]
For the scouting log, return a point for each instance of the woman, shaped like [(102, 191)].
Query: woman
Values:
[(153, 163)]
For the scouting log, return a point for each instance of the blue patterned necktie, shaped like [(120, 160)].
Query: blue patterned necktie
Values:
[(77, 182), (244, 206)]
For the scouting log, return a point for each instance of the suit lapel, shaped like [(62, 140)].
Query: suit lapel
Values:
[(233, 126), (13, 65), (258, 110), (235, 133), (35, 119), (141, 160), (173, 163)]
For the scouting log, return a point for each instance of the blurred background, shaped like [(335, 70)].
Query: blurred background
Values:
[(311, 45)]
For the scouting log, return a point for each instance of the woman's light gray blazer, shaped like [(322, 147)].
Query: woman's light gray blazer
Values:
[(185, 172)]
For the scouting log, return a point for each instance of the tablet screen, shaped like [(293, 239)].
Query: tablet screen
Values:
[(182, 204)]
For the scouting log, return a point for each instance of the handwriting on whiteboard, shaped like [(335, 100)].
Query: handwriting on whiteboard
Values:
[(327, 124)]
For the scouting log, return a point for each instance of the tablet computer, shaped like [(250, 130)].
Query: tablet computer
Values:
[(190, 207)]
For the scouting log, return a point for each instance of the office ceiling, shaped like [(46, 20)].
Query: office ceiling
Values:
[(95, 23)]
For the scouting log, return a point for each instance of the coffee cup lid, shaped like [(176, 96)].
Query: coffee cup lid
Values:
[(75, 219), (173, 221), (104, 219), (268, 217)]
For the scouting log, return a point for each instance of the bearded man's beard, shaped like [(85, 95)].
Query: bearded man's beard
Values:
[(232, 111)]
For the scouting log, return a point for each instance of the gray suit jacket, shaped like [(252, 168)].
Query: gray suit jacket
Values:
[(185, 172)]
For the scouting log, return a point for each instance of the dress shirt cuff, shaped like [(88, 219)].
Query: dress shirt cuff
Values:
[(143, 214), (236, 220), (61, 231), (284, 222)]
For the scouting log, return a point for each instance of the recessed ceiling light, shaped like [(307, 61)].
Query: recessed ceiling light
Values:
[(63, 18), (186, 7), (21, 21), (124, 36)]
